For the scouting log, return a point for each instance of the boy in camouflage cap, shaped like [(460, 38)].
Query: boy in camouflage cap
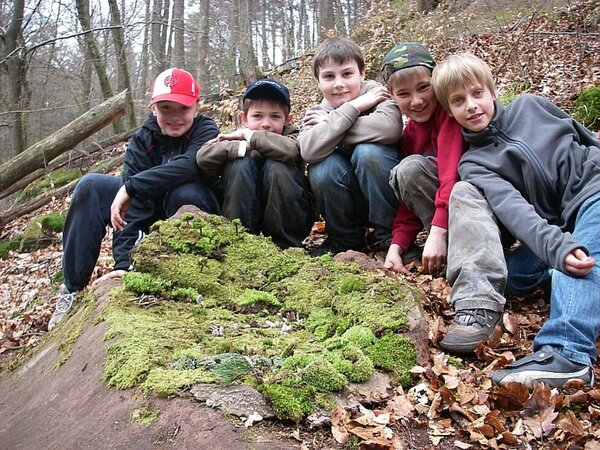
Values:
[(431, 145)]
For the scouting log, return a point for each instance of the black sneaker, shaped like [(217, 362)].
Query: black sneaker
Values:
[(547, 366), (470, 327)]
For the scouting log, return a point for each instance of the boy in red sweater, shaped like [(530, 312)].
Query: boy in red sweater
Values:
[(432, 145)]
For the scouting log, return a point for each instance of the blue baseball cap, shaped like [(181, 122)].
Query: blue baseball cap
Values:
[(267, 87)]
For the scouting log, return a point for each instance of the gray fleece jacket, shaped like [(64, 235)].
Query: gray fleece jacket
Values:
[(536, 166)]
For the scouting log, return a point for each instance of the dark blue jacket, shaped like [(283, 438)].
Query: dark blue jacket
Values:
[(154, 165)]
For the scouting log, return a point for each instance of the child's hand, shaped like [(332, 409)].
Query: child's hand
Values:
[(314, 116), (119, 207), (435, 250), (393, 259), (578, 264), (370, 99), (241, 134)]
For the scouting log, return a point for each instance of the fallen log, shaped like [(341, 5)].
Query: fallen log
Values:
[(41, 200), (67, 158), (41, 153)]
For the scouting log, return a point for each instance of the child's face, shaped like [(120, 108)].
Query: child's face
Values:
[(472, 106), (265, 115), (340, 83), (415, 97), (174, 119)]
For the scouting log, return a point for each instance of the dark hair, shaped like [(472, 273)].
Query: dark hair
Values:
[(339, 50), (276, 99)]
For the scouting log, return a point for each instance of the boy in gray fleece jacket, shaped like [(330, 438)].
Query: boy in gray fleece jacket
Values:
[(536, 171), (348, 142)]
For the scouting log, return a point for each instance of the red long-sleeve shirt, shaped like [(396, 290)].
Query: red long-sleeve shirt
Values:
[(440, 137)]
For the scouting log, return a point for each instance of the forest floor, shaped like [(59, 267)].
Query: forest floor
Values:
[(556, 54)]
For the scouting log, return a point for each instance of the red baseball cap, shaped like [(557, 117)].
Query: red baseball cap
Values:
[(176, 85)]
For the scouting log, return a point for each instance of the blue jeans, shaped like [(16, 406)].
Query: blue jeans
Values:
[(574, 323), (353, 192), (269, 196), (89, 215), (526, 273)]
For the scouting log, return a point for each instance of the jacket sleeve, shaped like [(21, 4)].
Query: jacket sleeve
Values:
[(279, 147), (212, 157), (450, 145), (405, 227), (160, 179), (520, 218), (382, 126), (318, 141)]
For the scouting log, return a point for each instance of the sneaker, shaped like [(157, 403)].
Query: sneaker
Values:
[(470, 327), (414, 253), (65, 303), (547, 366)]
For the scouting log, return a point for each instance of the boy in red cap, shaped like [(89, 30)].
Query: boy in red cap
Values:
[(262, 171), (159, 176)]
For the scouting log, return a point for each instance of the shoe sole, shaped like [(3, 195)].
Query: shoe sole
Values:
[(466, 348)]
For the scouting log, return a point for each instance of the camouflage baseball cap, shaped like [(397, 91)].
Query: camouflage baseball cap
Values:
[(404, 55)]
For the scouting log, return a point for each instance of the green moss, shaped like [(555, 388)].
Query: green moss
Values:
[(53, 180), (281, 319), (143, 283), (323, 376), (587, 107), (145, 415), (253, 297), (9, 244), (396, 354), (352, 283), (184, 294), (289, 403), (360, 336), (168, 382)]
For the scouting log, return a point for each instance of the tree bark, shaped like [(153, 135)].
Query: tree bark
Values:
[(203, 46), (66, 158), (119, 43), (44, 151), (248, 61), (326, 20), (41, 200), (93, 53), (16, 74), (178, 26)]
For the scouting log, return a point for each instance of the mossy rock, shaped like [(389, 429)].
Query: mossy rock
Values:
[(587, 107), (293, 326), (39, 233)]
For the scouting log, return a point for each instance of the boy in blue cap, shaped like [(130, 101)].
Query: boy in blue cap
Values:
[(261, 169)]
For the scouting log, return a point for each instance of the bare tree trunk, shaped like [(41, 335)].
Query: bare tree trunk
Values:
[(326, 20), (248, 60), (119, 43), (16, 74), (83, 14), (203, 53), (158, 49), (178, 26), (263, 35), (145, 57)]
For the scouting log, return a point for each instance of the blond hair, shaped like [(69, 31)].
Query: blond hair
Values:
[(402, 76), (460, 71)]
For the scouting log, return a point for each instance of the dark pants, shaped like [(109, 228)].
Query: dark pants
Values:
[(89, 215)]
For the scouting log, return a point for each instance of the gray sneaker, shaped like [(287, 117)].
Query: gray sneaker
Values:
[(547, 366), (470, 327), (64, 304)]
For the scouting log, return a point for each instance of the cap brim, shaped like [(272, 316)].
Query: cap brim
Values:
[(185, 100)]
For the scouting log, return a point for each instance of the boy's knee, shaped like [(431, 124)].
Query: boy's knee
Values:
[(409, 171), (464, 190)]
